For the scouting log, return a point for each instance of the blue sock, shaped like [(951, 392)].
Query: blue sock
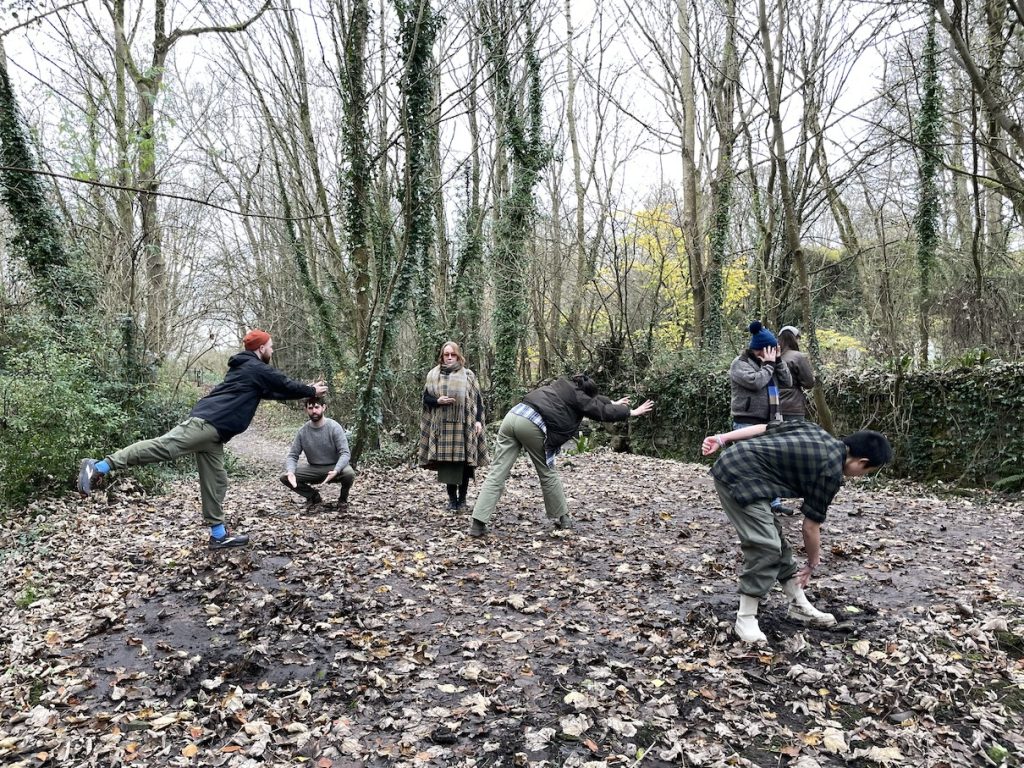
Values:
[(102, 467), (218, 531)]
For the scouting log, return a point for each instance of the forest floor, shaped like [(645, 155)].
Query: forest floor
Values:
[(387, 637)]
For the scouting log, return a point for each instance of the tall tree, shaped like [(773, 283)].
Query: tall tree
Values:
[(777, 147), (357, 169), (723, 112), (521, 137), (148, 81), (418, 24), (37, 237), (929, 157)]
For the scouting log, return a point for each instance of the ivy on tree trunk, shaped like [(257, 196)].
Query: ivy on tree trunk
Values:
[(927, 220), (36, 238), (528, 157)]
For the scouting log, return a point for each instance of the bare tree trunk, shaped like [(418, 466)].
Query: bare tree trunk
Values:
[(147, 85), (989, 89), (721, 217), (584, 269), (124, 242), (693, 238)]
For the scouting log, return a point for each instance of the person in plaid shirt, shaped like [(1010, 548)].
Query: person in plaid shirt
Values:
[(788, 459)]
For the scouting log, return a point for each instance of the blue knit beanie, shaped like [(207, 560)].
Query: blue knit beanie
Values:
[(761, 337)]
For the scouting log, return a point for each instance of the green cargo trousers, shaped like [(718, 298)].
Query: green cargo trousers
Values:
[(193, 435), (767, 556), (515, 434), (306, 474)]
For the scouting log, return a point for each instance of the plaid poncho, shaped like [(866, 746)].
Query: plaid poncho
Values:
[(446, 432)]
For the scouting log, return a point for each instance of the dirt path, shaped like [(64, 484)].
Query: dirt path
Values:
[(387, 637)]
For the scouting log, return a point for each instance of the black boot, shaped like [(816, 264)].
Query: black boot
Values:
[(453, 497), (460, 502)]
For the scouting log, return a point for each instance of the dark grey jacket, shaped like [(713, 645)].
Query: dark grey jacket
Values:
[(748, 378)]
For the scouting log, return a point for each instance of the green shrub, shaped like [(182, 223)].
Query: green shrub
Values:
[(62, 401), (957, 425), (691, 400)]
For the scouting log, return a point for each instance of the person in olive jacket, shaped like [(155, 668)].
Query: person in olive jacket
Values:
[(542, 423), (225, 412)]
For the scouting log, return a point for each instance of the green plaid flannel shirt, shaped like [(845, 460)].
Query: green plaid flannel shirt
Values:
[(792, 459)]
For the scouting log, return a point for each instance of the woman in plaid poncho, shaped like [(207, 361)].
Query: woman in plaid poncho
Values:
[(452, 439)]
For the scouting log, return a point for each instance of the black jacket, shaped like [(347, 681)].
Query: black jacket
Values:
[(563, 406), (231, 405)]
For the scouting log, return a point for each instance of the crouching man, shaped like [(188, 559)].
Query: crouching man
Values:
[(792, 459), (325, 446)]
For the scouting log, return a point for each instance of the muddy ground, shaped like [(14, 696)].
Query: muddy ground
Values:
[(387, 637)]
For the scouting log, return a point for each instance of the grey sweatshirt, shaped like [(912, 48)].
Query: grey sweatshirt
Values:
[(322, 445)]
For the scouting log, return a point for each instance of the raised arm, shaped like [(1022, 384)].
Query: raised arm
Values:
[(712, 443)]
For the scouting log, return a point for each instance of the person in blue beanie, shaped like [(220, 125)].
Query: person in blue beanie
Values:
[(755, 378)]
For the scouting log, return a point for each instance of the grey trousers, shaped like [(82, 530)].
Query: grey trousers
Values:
[(516, 434), (306, 474), (195, 436), (767, 556)]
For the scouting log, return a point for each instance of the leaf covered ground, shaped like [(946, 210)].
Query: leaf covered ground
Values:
[(387, 637)]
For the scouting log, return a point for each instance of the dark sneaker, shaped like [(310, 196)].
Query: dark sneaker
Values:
[(229, 540), (342, 506), (314, 501), (782, 509), (476, 528), (564, 523), (453, 506), (88, 476)]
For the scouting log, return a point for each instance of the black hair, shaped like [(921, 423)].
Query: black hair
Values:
[(585, 383), (870, 445), (315, 400)]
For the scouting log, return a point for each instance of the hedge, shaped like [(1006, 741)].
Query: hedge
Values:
[(961, 426)]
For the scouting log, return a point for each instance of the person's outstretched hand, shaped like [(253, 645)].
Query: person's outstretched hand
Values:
[(320, 387), (291, 480), (710, 444), (621, 401), (646, 407)]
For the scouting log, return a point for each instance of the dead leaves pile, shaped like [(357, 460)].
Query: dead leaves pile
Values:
[(387, 637)]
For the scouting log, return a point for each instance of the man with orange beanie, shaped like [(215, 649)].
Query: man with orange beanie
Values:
[(225, 412)]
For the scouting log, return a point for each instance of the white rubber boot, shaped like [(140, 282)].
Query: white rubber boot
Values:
[(801, 610), (746, 621)]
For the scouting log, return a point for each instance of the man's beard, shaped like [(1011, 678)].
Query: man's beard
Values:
[(316, 418), (265, 357)]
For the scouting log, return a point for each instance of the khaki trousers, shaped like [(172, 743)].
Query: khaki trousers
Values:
[(196, 436), (306, 474), (517, 433), (767, 556)]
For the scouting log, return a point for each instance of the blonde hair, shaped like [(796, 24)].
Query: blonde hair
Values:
[(455, 348)]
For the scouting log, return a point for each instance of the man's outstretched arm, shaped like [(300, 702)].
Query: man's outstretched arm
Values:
[(712, 443)]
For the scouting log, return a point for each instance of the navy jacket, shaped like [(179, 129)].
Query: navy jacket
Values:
[(231, 405)]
